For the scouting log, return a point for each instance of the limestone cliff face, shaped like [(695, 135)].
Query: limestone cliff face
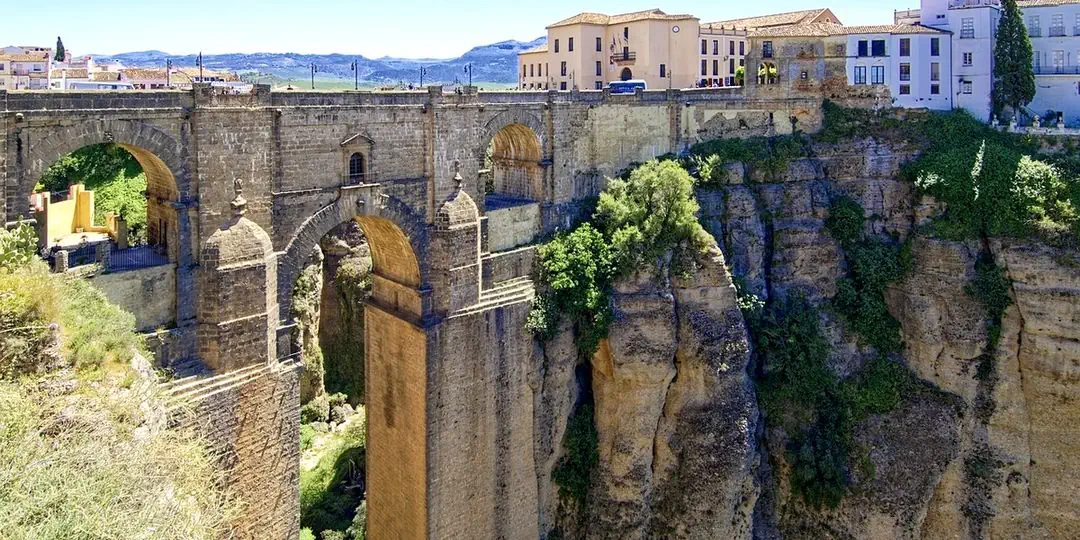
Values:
[(676, 413), (683, 452)]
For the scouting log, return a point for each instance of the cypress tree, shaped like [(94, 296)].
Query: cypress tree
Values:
[(60, 53), (1014, 76)]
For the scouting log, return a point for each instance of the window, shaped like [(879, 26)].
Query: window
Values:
[(532, 70), (663, 71), (357, 170), (626, 53), (570, 45), (905, 46), (556, 45), (935, 71), (905, 89), (1076, 25), (967, 28), (877, 47), (935, 89), (905, 72), (704, 67), (731, 65), (599, 68), (1034, 27), (742, 44), (562, 69), (715, 68), (860, 74), (562, 85), (766, 49), (1058, 57), (864, 49), (969, 59), (742, 62), (715, 47), (965, 87), (522, 71), (704, 47), (935, 46), (626, 32), (599, 85), (877, 74), (599, 45), (547, 69), (1036, 60), (731, 48), (1057, 25)]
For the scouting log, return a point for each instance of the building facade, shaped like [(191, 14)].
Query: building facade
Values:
[(24, 67)]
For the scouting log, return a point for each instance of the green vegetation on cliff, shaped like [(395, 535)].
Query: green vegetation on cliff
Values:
[(84, 450), (646, 220)]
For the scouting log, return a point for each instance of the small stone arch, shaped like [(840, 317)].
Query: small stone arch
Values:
[(397, 236), (158, 153), (516, 143), (768, 73), (626, 74)]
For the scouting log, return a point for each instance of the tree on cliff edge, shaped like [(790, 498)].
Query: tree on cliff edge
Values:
[(1014, 77)]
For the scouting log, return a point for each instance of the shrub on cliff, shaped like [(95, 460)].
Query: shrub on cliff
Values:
[(647, 219), (83, 449)]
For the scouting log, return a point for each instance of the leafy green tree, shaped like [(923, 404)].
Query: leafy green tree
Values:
[(1014, 76), (60, 52)]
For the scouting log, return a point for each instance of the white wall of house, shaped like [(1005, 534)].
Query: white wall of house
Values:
[(1055, 41), (911, 76)]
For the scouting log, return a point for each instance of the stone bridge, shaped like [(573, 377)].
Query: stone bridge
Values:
[(451, 190)]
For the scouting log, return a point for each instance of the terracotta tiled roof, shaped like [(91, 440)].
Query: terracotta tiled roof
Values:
[(43, 57), (105, 76), (778, 19), (143, 74), (69, 73), (604, 20), (538, 49), (828, 30)]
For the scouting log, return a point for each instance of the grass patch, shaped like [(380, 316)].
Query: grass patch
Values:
[(573, 472), (327, 502)]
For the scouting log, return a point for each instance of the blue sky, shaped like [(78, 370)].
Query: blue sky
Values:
[(373, 28)]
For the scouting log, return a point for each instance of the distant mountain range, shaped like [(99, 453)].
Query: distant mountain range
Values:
[(495, 63)]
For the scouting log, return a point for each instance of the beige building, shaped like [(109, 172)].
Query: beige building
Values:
[(24, 68), (590, 50)]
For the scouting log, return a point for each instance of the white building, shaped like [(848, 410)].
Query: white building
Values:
[(913, 61), (1054, 28)]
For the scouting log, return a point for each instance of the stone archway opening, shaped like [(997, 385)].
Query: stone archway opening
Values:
[(626, 74), (113, 205), (514, 172), (358, 306), (767, 73)]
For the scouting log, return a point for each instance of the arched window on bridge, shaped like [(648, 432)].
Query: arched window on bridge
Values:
[(357, 169), (512, 172)]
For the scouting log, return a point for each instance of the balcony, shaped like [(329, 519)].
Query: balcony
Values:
[(625, 57), (1034, 32), (1057, 31), (957, 4), (1058, 70), (1076, 30)]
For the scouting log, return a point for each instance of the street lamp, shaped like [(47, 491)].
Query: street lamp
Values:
[(356, 75), (314, 70), (423, 71)]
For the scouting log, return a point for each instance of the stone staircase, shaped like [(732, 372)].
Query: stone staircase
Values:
[(504, 293)]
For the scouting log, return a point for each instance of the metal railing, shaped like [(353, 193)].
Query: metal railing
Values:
[(625, 56), (356, 179), (1057, 70), (1057, 31), (136, 257)]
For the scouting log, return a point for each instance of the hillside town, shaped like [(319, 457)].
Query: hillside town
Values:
[(938, 57), (41, 68)]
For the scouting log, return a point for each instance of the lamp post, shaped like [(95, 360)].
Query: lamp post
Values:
[(314, 70), (423, 71), (199, 62), (168, 73), (356, 75), (468, 69)]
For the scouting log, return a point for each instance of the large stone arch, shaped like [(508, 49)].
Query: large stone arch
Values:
[(397, 236), (516, 138)]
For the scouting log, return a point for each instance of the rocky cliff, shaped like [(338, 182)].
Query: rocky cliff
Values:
[(983, 450)]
